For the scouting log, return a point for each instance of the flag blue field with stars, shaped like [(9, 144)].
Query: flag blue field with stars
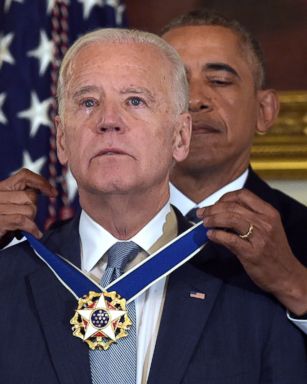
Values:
[(34, 35)]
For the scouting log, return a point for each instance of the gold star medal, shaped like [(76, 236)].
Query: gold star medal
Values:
[(101, 319)]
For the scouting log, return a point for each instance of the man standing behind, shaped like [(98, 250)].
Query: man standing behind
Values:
[(122, 124), (229, 104)]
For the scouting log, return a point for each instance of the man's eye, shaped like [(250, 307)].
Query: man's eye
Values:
[(135, 101), (88, 103), (220, 82)]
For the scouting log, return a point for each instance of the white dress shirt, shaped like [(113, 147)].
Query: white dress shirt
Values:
[(185, 204), (95, 242)]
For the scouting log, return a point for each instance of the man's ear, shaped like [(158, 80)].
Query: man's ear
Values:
[(268, 110), (182, 139), (60, 140)]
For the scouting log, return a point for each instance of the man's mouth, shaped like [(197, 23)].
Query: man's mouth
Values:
[(204, 129), (111, 152)]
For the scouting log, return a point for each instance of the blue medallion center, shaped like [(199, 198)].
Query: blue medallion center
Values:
[(100, 318)]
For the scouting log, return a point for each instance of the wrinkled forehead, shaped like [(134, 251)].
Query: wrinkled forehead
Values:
[(212, 43), (120, 55)]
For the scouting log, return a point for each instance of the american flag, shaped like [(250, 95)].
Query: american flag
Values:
[(198, 295), (34, 35)]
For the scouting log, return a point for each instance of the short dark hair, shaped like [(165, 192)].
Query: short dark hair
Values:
[(209, 17)]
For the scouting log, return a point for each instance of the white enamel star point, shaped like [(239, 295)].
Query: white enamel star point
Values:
[(100, 319)]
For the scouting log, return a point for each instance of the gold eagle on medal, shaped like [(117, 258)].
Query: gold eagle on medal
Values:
[(101, 319)]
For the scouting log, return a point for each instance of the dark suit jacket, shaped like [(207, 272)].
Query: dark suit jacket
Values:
[(294, 218), (233, 336), (293, 213)]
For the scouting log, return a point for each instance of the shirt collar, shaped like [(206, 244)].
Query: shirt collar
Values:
[(95, 240), (185, 204)]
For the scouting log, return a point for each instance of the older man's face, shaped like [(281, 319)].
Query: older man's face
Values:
[(223, 101), (120, 132)]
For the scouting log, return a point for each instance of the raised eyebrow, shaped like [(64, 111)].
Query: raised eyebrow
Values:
[(138, 91), (84, 90), (221, 67)]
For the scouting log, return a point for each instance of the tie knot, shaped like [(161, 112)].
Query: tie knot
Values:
[(191, 215), (122, 253)]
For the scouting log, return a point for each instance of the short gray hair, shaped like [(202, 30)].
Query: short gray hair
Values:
[(178, 79), (209, 17)]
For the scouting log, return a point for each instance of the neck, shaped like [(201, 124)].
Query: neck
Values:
[(124, 215), (198, 186)]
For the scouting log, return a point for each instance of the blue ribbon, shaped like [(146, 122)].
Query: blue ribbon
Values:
[(161, 263), (70, 275)]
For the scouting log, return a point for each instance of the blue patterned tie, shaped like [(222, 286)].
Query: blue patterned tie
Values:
[(117, 365)]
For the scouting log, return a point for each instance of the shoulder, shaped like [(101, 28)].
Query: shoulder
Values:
[(281, 201), (19, 260)]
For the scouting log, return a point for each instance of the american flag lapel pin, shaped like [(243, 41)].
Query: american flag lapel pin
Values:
[(197, 295)]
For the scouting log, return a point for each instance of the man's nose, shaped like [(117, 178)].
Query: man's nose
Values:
[(199, 98), (110, 119)]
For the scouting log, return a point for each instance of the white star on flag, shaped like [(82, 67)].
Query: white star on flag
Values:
[(88, 6), (30, 32), (3, 119), (108, 330), (34, 166), (43, 52), (8, 3), (119, 9), (37, 113), (50, 5), (5, 54)]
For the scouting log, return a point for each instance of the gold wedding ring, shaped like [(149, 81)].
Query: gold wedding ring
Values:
[(246, 235)]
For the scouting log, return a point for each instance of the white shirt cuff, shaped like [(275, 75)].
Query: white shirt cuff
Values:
[(300, 323)]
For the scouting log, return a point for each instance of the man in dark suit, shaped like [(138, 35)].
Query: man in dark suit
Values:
[(230, 336), (122, 123), (218, 162), (229, 104)]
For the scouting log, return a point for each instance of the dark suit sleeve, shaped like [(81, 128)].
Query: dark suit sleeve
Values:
[(284, 355)]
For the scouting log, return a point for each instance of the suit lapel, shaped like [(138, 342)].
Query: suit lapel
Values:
[(55, 307), (184, 319)]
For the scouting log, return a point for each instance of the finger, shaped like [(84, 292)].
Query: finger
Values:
[(17, 197), (229, 207), (32, 196), (252, 208), (228, 222), (15, 222), (28, 210), (241, 248), (27, 179), (247, 199)]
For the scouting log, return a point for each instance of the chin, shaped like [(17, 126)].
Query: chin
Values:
[(113, 185)]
